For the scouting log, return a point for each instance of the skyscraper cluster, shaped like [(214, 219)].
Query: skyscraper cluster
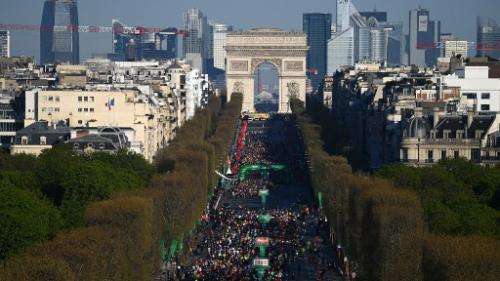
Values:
[(137, 43), (363, 36)]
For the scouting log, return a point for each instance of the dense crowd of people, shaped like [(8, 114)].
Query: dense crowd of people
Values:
[(226, 248)]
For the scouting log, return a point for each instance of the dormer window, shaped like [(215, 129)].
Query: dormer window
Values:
[(459, 134), (24, 140), (479, 134), (433, 134), (43, 140), (446, 134)]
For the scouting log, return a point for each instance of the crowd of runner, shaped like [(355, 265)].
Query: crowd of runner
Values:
[(226, 246)]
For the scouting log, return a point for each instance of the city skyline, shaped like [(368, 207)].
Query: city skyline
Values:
[(460, 22)]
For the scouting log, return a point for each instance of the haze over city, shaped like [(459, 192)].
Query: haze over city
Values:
[(458, 17)]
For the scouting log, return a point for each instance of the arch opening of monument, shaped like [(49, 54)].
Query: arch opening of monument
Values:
[(266, 88), (252, 53)]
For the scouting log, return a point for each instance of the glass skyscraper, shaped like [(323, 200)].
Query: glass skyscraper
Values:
[(488, 38), (197, 39), (317, 27), (423, 35), (59, 38)]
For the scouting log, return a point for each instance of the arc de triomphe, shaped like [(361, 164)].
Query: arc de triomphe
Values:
[(286, 50)]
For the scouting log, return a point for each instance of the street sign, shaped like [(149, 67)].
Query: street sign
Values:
[(258, 262)]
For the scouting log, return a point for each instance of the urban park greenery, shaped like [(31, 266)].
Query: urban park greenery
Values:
[(65, 216), (403, 223)]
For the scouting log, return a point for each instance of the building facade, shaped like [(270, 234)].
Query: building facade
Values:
[(59, 37), (317, 27), (220, 32), (488, 38), (423, 37), (4, 43), (197, 39)]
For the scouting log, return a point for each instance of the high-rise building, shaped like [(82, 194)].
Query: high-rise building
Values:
[(219, 44), (379, 40), (488, 38), (423, 37), (453, 46), (59, 37), (317, 27), (4, 43), (345, 46), (395, 44), (197, 39), (137, 43)]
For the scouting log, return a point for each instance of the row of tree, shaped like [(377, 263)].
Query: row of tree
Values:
[(458, 197), (383, 227), (125, 235)]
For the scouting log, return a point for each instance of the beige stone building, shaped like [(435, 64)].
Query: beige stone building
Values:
[(114, 107), (286, 51)]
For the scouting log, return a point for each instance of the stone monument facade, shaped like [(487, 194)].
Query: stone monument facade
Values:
[(286, 50)]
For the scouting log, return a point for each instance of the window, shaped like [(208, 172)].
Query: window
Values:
[(80, 98), (91, 109), (86, 109), (85, 98), (405, 155), (485, 107), (92, 99), (475, 154), (485, 96), (57, 109), (443, 154), (24, 140), (51, 98), (80, 109), (80, 122), (470, 96), (58, 99), (456, 154), (430, 156), (43, 140)]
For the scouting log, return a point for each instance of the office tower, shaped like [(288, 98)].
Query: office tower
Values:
[(423, 36), (395, 44), (454, 46), (59, 37), (4, 43), (488, 38), (196, 40), (344, 48), (220, 37), (379, 44), (442, 39), (317, 27)]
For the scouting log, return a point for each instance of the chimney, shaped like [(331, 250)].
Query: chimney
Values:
[(435, 116), (470, 117)]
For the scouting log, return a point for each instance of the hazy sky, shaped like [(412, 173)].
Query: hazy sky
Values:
[(457, 16)]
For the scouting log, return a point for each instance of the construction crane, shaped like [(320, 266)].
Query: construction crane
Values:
[(90, 29)]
